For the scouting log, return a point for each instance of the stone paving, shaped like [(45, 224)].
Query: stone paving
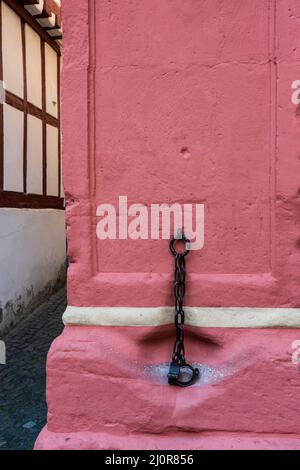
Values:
[(23, 407)]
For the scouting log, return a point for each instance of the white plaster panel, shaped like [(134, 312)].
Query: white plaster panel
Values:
[(52, 161), (13, 149), (34, 156), (32, 253), (51, 81), (33, 66), (12, 51)]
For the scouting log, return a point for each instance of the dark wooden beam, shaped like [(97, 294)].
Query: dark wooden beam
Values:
[(29, 2), (18, 103), (34, 111), (43, 62), (25, 107), (14, 101), (59, 120), (30, 201)]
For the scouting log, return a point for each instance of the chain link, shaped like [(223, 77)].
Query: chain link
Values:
[(179, 292), (178, 357)]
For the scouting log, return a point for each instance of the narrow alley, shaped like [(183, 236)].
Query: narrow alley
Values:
[(23, 379)]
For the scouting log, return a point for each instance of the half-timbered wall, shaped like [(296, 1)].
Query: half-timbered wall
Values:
[(30, 151), (32, 227)]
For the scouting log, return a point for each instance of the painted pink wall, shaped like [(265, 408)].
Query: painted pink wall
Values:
[(107, 390), (215, 78), (141, 80)]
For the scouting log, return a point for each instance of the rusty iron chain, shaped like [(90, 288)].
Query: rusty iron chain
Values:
[(179, 364)]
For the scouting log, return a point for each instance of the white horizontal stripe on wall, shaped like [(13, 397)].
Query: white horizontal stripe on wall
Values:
[(231, 317)]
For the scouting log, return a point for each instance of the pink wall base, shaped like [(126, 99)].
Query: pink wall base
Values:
[(106, 389), (181, 441)]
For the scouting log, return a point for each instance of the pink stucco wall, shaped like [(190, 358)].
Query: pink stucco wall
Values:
[(143, 80), (107, 390), (215, 78)]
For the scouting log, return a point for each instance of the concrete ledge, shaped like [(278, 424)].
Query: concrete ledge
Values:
[(235, 317)]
